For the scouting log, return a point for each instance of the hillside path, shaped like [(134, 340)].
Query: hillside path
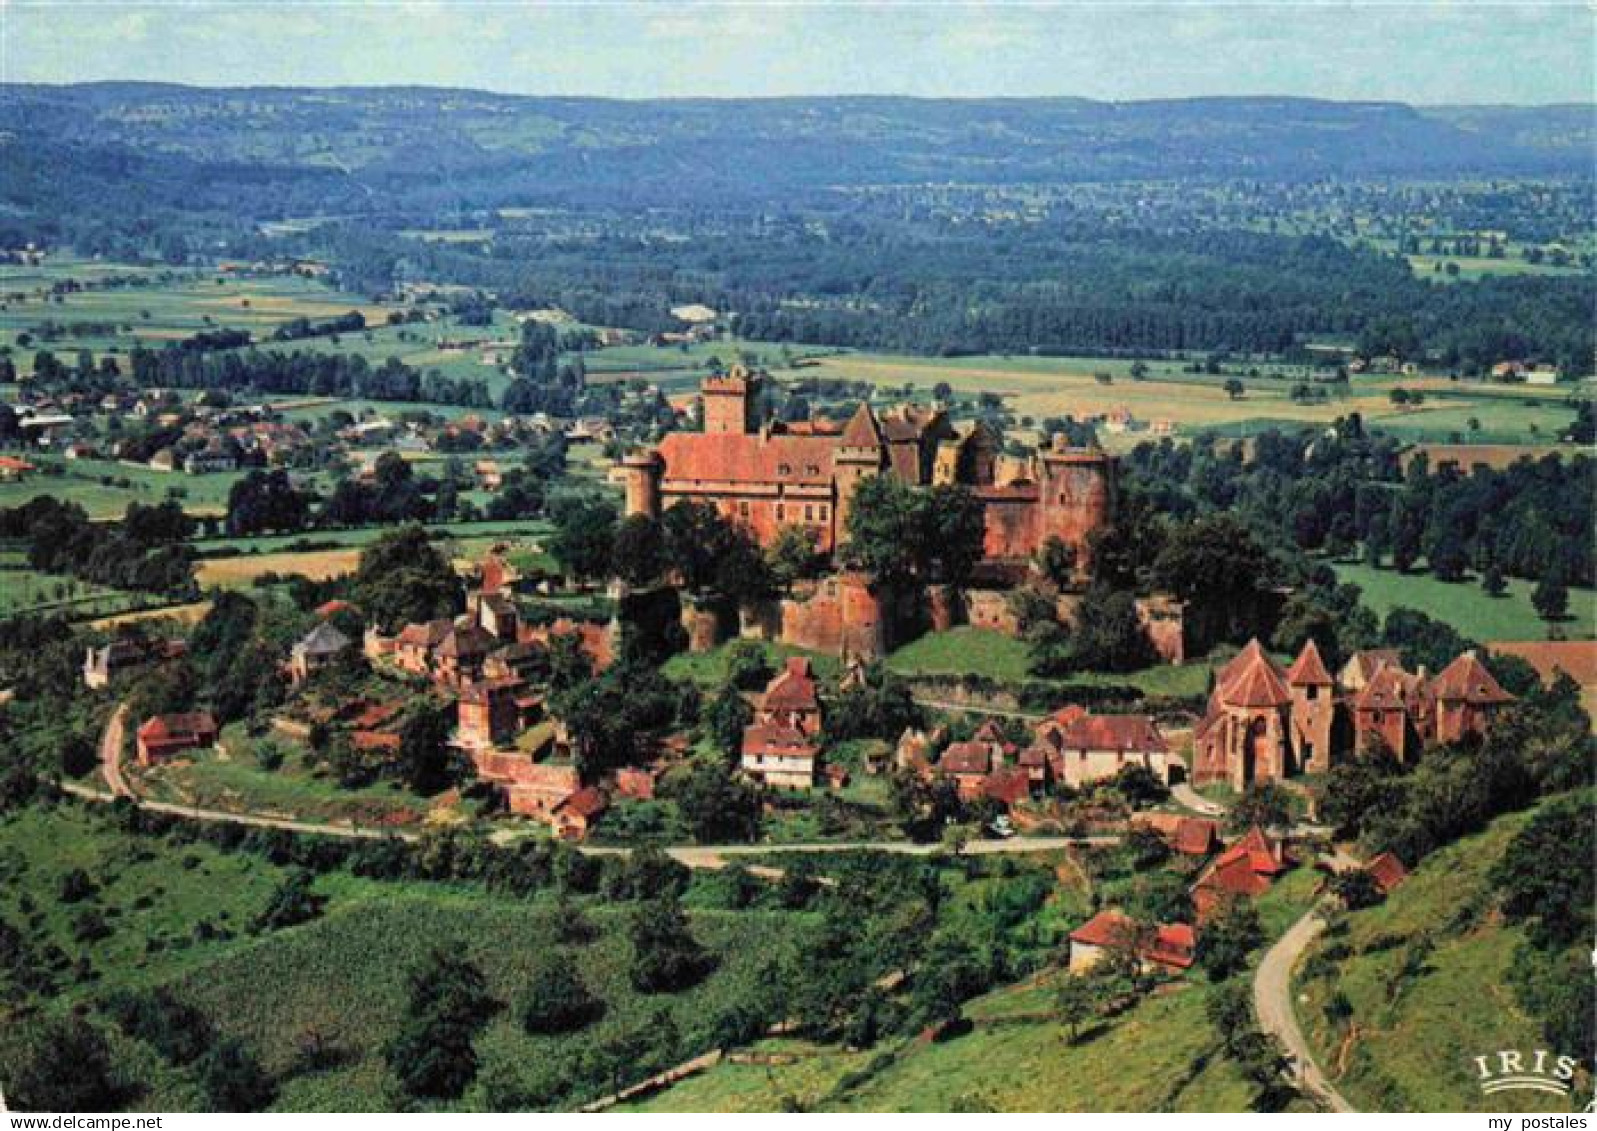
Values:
[(1192, 799), (111, 752), (1272, 1001)]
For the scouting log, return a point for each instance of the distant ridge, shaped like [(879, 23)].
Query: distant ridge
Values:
[(423, 143)]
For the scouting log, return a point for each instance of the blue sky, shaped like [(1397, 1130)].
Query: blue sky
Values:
[(1432, 52)]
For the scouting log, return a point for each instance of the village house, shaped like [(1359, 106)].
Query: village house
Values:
[(1244, 870), (768, 475), (1196, 838), (163, 736), (575, 816), (1096, 747), (781, 746), (1171, 947), (320, 647), (126, 654)]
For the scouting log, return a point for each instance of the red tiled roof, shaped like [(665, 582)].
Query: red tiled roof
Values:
[(587, 802), (1256, 683), (862, 430), (793, 689), (1174, 944), (1107, 928), (1263, 856), (1195, 836), (1366, 662), (737, 458), (1387, 871), (1116, 732), (1308, 668), (166, 728), (427, 634), (966, 758), (1234, 875), (1466, 679), (1389, 689), (1008, 785), (471, 640), (770, 738)]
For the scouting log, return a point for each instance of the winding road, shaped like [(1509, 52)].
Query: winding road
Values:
[(1272, 1001)]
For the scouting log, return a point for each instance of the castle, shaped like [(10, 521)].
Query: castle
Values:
[(1264, 724), (768, 475)]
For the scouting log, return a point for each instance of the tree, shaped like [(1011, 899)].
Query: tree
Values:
[(793, 555), (1234, 388), (427, 761), (666, 958), (402, 578), (728, 714), (638, 555), (1219, 569), (1540, 884), (291, 903), (1550, 598), (1264, 804), (1078, 1000), (556, 1000), (711, 554), (232, 1079), (1492, 581), (716, 807), (64, 1064), (432, 1054), (265, 501), (1230, 935), (1140, 786), (1356, 888), (584, 537)]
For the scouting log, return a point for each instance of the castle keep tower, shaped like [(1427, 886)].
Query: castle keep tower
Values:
[(860, 452), (1076, 488), (732, 403)]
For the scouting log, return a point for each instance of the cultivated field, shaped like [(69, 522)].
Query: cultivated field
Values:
[(242, 571)]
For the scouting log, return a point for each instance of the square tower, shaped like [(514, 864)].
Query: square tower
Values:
[(732, 402)]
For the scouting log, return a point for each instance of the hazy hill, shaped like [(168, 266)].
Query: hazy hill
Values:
[(356, 144)]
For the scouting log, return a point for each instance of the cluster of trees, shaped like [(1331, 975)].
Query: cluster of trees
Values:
[(146, 550), (301, 373), (901, 533), (1349, 490)]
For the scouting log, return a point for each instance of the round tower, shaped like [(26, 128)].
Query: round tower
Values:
[(640, 478)]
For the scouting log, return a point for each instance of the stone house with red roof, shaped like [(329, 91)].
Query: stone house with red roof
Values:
[(781, 747), (1245, 869), (1172, 947), (1095, 747), (164, 736)]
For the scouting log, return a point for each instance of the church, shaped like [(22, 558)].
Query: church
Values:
[(768, 474)]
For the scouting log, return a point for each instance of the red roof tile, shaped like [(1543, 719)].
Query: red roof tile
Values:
[(1308, 668), (793, 689), (1257, 683), (1387, 871), (1116, 732), (754, 458), (1466, 679), (966, 758)]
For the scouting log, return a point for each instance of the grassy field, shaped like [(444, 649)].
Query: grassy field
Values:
[(1417, 1037), (27, 590), (232, 779), (980, 651), (1467, 607)]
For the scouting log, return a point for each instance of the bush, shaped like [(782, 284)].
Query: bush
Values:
[(556, 1000)]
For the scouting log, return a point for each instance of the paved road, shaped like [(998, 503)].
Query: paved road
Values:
[(1272, 1001), (971, 709), (1195, 801)]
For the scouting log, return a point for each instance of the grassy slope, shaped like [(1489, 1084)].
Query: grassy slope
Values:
[(1415, 1052), (1467, 607), (980, 651), (342, 975)]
